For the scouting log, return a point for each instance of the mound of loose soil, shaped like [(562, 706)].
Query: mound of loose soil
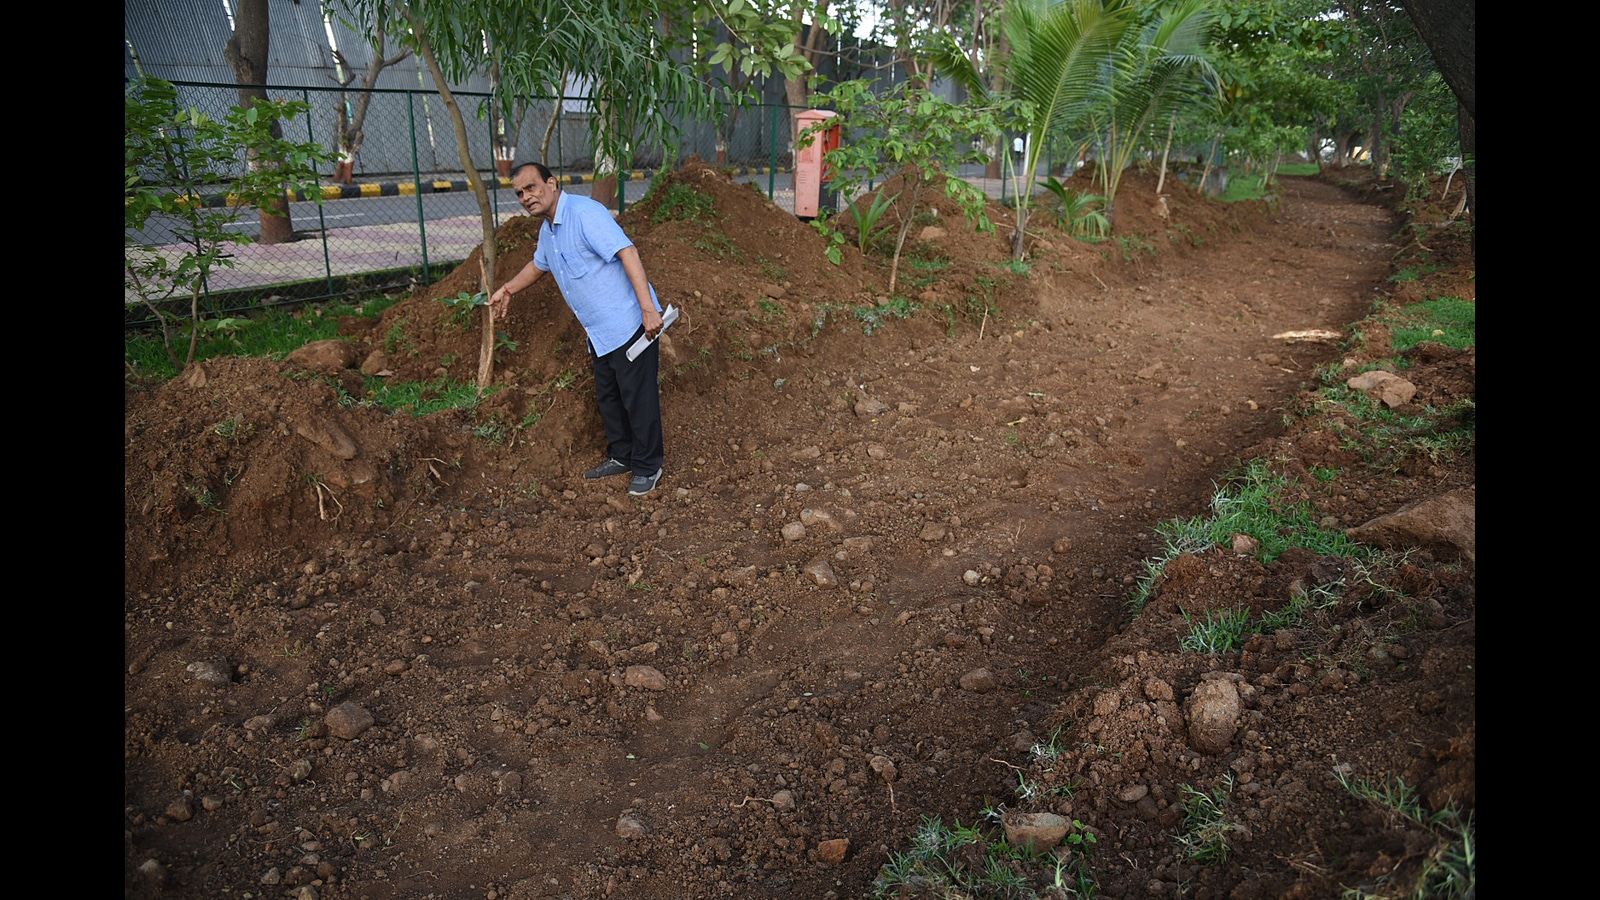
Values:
[(374, 655)]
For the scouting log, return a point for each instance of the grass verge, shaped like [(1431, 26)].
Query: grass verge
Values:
[(276, 332)]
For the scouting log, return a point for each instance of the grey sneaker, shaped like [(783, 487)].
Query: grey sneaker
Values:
[(606, 469), (643, 484)]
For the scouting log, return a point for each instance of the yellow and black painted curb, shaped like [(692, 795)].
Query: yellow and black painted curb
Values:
[(412, 188)]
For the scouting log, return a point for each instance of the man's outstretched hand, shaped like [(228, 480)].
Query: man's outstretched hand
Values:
[(500, 303)]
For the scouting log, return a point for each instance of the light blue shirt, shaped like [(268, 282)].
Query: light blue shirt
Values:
[(580, 250)]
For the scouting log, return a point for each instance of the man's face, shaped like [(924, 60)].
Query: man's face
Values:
[(537, 196)]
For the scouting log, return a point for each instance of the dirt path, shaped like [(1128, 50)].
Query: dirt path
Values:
[(910, 546)]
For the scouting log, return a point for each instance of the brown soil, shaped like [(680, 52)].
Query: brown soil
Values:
[(578, 694)]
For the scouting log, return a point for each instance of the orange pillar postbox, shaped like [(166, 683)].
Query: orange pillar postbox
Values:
[(811, 175)]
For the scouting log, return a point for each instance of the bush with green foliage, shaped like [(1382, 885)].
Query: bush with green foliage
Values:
[(910, 132), (173, 156)]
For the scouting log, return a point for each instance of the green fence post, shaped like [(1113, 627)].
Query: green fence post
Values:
[(772, 138), (322, 221), (416, 180)]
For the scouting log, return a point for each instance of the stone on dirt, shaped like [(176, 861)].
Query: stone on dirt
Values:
[(884, 766), (647, 677), (326, 435), (1446, 525), (1034, 831), (209, 671), (328, 357), (1213, 714), (629, 827), (1157, 689), (978, 681), (832, 852), (348, 720), (868, 406), (1390, 389), (376, 364), (153, 871), (822, 573)]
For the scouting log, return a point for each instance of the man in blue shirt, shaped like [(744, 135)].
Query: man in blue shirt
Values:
[(598, 270)]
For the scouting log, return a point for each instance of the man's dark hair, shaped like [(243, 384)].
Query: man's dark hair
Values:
[(544, 172)]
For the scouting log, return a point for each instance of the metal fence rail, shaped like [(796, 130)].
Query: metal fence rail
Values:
[(405, 214)]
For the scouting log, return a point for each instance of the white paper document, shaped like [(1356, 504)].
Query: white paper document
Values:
[(638, 347)]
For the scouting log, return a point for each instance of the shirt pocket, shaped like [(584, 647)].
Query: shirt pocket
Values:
[(575, 262)]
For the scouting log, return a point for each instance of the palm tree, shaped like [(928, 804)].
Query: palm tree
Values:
[(1157, 67), (1058, 55)]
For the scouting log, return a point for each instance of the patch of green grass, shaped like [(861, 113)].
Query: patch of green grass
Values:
[(1253, 502), (202, 495), (234, 430), (1446, 320), (1205, 823), (396, 340), (920, 273), (682, 202), (873, 317), (274, 333), (1179, 230), (422, 397), (984, 304), (771, 269), (715, 243), (1132, 245), (1448, 870), (492, 432), (1292, 614), (1250, 186), (770, 311), (972, 862), (1386, 437), (1221, 631)]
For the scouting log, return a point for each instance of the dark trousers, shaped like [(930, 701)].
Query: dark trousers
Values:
[(630, 405)]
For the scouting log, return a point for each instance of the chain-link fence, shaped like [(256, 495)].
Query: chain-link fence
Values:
[(399, 209)]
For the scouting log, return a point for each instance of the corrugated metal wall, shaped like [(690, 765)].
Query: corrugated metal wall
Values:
[(182, 41)]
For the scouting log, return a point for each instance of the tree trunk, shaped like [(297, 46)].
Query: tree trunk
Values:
[(352, 125), (1162, 181), (1468, 142), (487, 259), (1447, 27), (797, 90), (246, 52), (555, 121), (1205, 174)]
